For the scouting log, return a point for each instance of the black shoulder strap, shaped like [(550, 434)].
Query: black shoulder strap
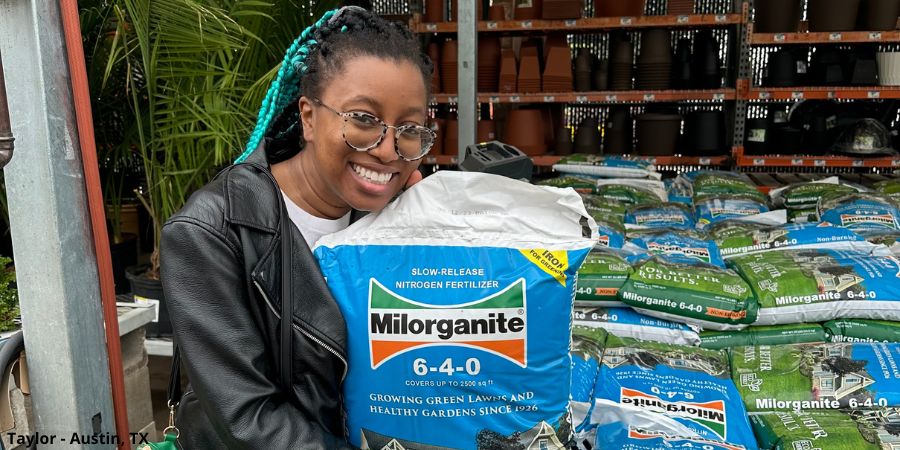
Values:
[(287, 314)]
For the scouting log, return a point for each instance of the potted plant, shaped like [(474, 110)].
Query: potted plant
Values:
[(198, 74)]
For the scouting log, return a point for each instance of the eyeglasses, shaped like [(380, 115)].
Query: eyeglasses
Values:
[(363, 132)]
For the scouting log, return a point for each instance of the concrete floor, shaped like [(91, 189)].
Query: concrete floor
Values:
[(159, 383)]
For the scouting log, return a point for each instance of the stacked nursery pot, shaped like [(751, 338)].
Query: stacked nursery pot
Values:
[(508, 71), (528, 9), (878, 15), (888, 68), (584, 64), (434, 10), (654, 64), (618, 138), (529, 80), (558, 68), (525, 130), (621, 66), (704, 134), (449, 74), (587, 136), (681, 66), (832, 15), (562, 144), (451, 137), (777, 16), (601, 76), (497, 13), (561, 9), (487, 131), (488, 63), (706, 67), (680, 7), (657, 134), (616, 8), (434, 52)]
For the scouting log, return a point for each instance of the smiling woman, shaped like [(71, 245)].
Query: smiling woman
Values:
[(342, 129)]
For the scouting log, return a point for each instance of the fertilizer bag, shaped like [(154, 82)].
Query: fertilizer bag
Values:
[(831, 430), (458, 298)]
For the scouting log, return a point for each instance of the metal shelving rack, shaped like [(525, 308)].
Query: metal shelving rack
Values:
[(738, 95)]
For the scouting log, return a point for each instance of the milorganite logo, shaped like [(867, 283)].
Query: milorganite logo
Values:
[(887, 220), (716, 212), (640, 433), (709, 414), (496, 324)]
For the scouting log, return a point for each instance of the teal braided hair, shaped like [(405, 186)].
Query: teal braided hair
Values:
[(286, 86), (315, 56)]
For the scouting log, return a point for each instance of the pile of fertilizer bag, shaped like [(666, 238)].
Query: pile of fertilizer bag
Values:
[(606, 309)]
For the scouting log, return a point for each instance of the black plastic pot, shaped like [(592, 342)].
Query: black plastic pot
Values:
[(705, 134), (757, 137), (706, 67), (124, 255), (782, 69), (827, 66), (681, 65), (878, 15), (832, 15), (144, 288), (587, 137), (562, 144), (618, 134), (777, 16), (787, 140), (657, 134)]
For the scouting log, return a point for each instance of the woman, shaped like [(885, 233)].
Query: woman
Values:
[(342, 129)]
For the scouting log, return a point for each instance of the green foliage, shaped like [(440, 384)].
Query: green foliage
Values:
[(195, 72), (9, 296)]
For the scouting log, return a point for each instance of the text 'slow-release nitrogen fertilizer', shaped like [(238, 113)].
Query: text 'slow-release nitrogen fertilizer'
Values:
[(817, 376), (688, 385), (818, 285), (458, 302), (831, 430)]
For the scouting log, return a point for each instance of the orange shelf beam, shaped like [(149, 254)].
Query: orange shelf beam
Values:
[(585, 24), (608, 97), (843, 37), (818, 161), (824, 93)]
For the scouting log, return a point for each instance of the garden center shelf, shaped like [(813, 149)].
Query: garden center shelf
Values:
[(550, 160), (843, 37), (892, 162), (823, 93), (602, 97), (587, 24)]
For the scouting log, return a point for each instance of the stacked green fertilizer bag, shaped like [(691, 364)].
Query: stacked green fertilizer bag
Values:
[(765, 335), (605, 167), (721, 196), (801, 199), (631, 191), (817, 285), (627, 323), (889, 188), (582, 185), (600, 277), (610, 218), (670, 215), (458, 301), (737, 237), (828, 430), (653, 396), (817, 376), (861, 212), (860, 330)]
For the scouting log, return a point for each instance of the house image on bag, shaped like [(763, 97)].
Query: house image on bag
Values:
[(374, 441), (827, 384), (828, 281), (881, 420), (541, 437), (615, 357)]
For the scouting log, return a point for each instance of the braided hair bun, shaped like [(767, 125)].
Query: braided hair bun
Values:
[(318, 55)]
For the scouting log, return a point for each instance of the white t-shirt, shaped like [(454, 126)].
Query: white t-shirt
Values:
[(313, 227)]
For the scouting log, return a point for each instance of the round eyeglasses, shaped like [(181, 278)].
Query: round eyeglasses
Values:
[(363, 132)]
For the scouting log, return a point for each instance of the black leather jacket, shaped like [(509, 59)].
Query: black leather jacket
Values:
[(221, 272)]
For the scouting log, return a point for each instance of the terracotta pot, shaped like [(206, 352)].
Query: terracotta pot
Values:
[(434, 10), (561, 9), (508, 72), (487, 131), (656, 46), (615, 8), (680, 7), (528, 9), (777, 16), (449, 74), (878, 15), (525, 131), (497, 13), (451, 137), (529, 71), (832, 15), (557, 75), (488, 63)]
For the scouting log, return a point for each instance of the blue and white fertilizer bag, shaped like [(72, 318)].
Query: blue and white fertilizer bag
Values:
[(680, 248), (664, 215), (687, 385), (458, 302), (861, 212), (605, 167)]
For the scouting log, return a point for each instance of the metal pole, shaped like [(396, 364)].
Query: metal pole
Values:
[(467, 69), (55, 261), (6, 137)]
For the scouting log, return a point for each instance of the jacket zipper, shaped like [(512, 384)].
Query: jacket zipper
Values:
[(304, 332)]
